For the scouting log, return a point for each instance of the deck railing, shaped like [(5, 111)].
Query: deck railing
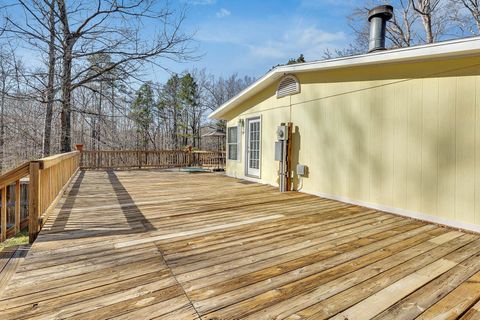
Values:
[(12, 177), (47, 179), (124, 159)]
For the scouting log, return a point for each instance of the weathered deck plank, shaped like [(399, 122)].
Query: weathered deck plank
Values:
[(170, 245)]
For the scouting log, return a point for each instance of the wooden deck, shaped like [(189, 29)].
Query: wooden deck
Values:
[(170, 245)]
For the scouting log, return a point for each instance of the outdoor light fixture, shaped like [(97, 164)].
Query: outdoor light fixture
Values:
[(241, 123)]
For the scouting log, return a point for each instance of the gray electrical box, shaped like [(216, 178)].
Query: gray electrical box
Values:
[(278, 151), (282, 133), (302, 169)]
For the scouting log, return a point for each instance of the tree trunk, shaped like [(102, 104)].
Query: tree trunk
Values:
[(65, 138), (98, 126), (2, 125), (92, 134), (47, 131), (67, 47), (174, 133), (427, 24)]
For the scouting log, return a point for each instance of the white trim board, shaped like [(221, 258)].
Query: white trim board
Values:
[(251, 179), (255, 173), (465, 47), (402, 212)]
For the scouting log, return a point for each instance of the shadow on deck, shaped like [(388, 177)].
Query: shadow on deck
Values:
[(169, 245), (119, 202)]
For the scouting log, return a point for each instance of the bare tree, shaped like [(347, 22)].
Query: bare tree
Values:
[(414, 22), (92, 56), (4, 83), (466, 13), (38, 30), (426, 9), (221, 90), (400, 29), (113, 28), (47, 131), (474, 7), (19, 113)]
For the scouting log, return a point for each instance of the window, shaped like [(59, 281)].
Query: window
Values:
[(232, 143), (288, 86)]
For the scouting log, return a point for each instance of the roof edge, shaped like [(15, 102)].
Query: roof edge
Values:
[(452, 48)]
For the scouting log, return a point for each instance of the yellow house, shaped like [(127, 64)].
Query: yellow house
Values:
[(395, 130)]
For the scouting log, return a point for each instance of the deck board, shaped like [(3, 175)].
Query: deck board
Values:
[(172, 245)]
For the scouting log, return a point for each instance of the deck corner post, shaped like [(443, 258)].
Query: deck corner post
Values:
[(3, 215), (18, 207), (79, 148), (33, 200)]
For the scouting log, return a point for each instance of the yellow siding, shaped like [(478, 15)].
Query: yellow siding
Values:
[(400, 147), (477, 151), (429, 146), (403, 136), (465, 149), (414, 145), (446, 147)]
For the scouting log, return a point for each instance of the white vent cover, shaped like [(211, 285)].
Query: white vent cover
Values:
[(289, 85)]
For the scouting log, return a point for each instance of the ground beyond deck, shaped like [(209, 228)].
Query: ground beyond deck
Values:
[(171, 245)]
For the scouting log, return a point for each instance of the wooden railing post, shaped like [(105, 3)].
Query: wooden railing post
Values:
[(190, 158), (33, 200), (3, 214), (18, 200), (79, 147)]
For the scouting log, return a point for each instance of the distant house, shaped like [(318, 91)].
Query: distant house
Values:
[(396, 130)]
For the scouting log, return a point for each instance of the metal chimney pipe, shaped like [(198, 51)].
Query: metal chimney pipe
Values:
[(378, 18)]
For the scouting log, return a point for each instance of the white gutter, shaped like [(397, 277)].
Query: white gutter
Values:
[(454, 48)]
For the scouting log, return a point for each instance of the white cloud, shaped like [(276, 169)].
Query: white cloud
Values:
[(309, 40), (323, 3), (270, 50), (202, 2), (223, 13), (260, 44)]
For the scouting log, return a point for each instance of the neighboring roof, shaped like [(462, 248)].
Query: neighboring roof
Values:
[(216, 133), (454, 48)]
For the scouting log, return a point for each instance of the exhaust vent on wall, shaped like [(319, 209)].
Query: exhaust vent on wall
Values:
[(378, 18)]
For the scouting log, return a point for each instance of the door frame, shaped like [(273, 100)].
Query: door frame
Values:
[(247, 145)]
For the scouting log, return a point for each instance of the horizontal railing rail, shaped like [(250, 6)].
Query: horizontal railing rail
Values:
[(49, 177), (42, 182), (8, 228), (125, 159), (209, 159)]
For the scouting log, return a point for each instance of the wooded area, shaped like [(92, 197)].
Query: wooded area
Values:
[(80, 72), (415, 22), (88, 80)]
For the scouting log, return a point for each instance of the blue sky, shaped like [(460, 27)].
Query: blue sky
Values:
[(250, 36)]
